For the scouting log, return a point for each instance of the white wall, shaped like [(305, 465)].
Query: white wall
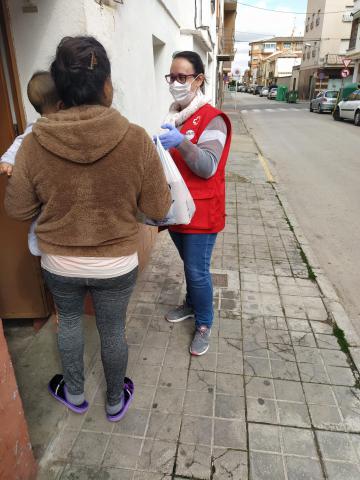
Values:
[(36, 36), (141, 92), (331, 29), (284, 66), (132, 34), (335, 28)]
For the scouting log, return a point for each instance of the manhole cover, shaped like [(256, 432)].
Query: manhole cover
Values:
[(220, 279)]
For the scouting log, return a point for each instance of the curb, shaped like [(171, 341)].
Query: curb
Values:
[(332, 302)]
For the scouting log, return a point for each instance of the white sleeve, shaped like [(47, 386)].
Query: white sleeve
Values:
[(10, 154)]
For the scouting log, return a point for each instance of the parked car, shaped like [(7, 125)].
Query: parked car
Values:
[(325, 101), (249, 89), (243, 88), (257, 89), (349, 109), (272, 94), (264, 92)]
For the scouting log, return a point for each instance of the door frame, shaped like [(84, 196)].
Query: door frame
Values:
[(12, 66)]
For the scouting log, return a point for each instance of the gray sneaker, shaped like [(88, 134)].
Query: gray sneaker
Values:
[(200, 343), (180, 313)]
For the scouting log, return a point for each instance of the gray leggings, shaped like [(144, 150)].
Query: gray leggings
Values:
[(110, 298)]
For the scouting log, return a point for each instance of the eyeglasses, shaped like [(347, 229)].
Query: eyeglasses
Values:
[(181, 78)]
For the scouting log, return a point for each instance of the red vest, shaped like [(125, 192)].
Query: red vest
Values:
[(208, 194)]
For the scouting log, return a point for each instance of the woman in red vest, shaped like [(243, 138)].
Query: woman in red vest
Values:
[(198, 138)]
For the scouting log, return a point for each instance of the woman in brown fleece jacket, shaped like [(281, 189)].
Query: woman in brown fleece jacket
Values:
[(85, 171)]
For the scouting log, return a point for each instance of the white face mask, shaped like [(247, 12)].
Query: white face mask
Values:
[(182, 92)]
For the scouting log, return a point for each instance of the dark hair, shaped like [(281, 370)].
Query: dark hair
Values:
[(42, 91), (195, 60), (79, 70)]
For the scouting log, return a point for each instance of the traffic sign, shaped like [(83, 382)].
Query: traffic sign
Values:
[(346, 62), (345, 72)]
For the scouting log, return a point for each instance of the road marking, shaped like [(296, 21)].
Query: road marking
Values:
[(272, 110), (266, 167)]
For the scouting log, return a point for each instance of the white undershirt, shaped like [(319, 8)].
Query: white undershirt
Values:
[(89, 267)]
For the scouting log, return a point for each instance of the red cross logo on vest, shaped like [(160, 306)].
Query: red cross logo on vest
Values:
[(196, 120)]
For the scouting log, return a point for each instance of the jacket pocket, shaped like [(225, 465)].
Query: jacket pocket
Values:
[(206, 209)]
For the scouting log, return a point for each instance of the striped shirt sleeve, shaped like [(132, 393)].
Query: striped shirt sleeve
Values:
[(204, 157)]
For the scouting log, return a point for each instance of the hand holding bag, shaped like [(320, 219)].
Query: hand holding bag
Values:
[(183, 207)]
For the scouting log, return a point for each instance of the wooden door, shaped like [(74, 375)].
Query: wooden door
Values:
[(22, 293)]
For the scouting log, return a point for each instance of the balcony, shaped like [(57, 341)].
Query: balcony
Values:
[(333, 60), (226, 40), (347, 17), (230, 5), (354, 34)]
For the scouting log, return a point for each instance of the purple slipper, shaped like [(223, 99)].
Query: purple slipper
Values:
[(56, 389), (128, 398)]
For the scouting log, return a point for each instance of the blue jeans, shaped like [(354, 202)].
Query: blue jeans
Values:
[(195, 251)]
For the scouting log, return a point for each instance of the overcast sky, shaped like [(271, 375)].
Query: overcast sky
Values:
[(253, 24)]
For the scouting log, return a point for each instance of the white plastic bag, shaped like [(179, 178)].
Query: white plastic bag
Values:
[(183, 207)]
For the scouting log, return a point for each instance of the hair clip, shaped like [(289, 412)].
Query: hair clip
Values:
[(93, 61)]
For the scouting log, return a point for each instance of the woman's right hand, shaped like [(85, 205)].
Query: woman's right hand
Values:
[(6, 169)]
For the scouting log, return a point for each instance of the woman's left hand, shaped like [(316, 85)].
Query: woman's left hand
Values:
[(172, 138)]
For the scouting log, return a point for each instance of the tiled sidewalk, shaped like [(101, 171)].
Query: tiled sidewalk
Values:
[(274, 398)]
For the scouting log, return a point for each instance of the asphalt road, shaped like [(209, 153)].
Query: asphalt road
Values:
[(317, 161)]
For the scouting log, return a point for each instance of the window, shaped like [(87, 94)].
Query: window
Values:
[(318, 17), (269, 47), (344, 45), (308, 55), (313, 53), (307, 28), (213, 2), (331, 94), (354, 33), (287, 45)]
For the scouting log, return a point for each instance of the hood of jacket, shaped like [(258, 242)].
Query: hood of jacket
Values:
[(81, 134)]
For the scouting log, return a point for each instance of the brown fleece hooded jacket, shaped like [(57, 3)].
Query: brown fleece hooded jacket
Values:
[(85, 172)]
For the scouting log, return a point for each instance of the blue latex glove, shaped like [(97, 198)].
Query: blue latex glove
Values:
[(172, 138)]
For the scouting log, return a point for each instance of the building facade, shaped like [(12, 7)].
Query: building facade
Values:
[(278, 67), (140, 38), (226, 42), (326, 41), (140, 50), (354, 44), (260, 50)]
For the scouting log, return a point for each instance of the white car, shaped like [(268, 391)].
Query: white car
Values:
[(349, 109), (264, 92)]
